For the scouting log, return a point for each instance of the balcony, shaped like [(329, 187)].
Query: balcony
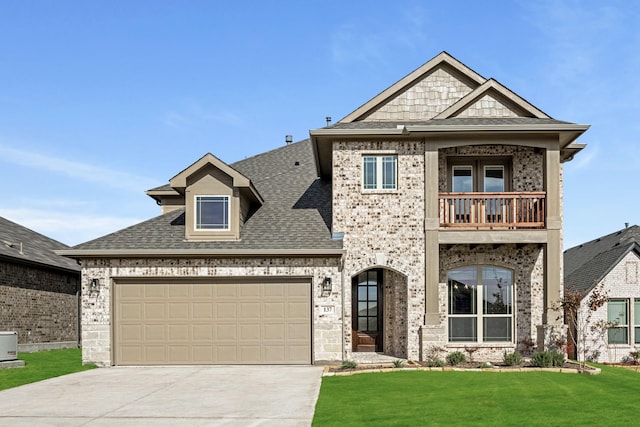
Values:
[(492, 211)]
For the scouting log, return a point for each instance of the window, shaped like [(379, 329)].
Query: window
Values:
[(617, 314), (212, 213), (379, 173), (480, 304), (489, 175)]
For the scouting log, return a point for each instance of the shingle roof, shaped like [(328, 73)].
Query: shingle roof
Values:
[(296, 213), (21, 244), (587, 264)]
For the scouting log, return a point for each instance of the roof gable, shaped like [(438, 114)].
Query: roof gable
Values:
[(492, 99), (180, 181), (422, 94), (587, 264)]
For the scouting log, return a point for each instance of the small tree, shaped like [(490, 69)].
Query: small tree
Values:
[(579, 320)]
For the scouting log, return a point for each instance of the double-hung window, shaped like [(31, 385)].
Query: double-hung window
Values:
[(380, 172), (212, 213), (480, 300), (618, 317)]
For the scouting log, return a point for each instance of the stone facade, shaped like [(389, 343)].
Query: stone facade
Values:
[(96, 308), (622, 282), (384, 229), (527, 264), (40, 304), (526, 164)]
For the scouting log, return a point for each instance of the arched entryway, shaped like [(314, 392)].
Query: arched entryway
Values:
[(379, 312), (368, 311)]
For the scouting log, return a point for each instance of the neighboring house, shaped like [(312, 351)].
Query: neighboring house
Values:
[(429, 217), (39, 290), (609, 265)]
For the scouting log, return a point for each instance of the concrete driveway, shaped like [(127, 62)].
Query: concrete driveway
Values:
[(168, 396)]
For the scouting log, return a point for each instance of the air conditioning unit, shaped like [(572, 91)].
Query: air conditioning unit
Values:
[(8, 346)]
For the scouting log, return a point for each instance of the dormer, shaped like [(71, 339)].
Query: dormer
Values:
[(217, 199)]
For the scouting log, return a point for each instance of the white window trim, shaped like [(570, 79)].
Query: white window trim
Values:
[(379, 183), (479, 315), (195, 215)]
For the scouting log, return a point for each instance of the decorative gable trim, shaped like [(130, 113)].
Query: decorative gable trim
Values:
[(499, 92), (179, 182), (441, 60)]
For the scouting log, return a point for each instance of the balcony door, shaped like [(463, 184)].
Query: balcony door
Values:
[(484, 175)]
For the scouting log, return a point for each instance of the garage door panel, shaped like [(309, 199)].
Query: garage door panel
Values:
[(155, 291), (130, 333), (155, 332), (155, 311), (273, 332), (249, 311), (155, 354), (179, 291), (298, 331), (202, 310), (226, 332), (274, 310), (202, 332), (249, 331), (250, 290), (226, 291), (179, 354), (212, 323), (226, 311)]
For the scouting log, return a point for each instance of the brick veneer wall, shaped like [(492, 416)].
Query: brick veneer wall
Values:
[(96, 308), (40, 304), (384, 229), (527, 264), (618, 284)]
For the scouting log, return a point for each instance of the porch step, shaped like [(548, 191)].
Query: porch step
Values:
[(365, 357)]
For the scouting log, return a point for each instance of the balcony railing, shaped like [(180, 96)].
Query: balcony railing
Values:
[(493, 210)]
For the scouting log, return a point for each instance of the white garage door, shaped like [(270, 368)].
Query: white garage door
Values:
[(183, 323)]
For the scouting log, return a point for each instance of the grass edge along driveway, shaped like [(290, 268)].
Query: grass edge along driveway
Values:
[(409, 398), (43, 365)]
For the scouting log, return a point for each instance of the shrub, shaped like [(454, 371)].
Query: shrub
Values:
[(435, 363), (635, 355), (512, 359), (547, 359), (399, 363), (348, 364), (456, 358)]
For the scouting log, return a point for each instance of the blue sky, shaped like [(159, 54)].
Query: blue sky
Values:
[(102, 100)]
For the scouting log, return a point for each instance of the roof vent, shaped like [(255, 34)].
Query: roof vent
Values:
[(288, 139), (626, 225), (328, 119)]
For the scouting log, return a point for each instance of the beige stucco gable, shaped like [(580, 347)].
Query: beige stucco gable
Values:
[(422, 94)]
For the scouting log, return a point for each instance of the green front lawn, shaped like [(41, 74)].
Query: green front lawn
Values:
[(43, 365), (412, 398)]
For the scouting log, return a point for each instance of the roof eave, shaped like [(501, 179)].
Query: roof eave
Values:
[(191, 253)]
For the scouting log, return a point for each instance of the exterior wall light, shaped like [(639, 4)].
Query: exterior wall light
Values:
[(326, 286), (94, 286)]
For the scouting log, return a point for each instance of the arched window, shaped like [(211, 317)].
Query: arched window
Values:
[(480, 300)]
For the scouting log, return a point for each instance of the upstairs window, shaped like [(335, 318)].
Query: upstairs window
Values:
[(212, 213), (379, 172)]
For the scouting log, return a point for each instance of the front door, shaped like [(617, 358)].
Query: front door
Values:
[(367, 311)]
